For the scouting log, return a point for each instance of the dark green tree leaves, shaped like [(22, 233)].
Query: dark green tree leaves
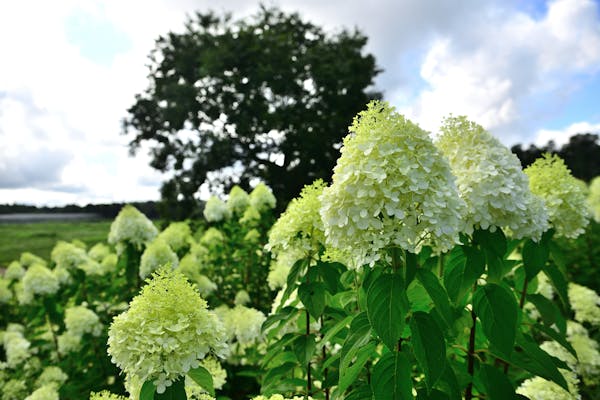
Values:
[(428, 345), (391, 378), (387, 305)]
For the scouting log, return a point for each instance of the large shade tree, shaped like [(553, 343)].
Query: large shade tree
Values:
[(268, 97)]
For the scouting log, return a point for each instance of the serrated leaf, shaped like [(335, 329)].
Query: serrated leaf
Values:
[(386, 308), (391, 378), (429, 346), (147, 391), (535, 256), (351, 372), (203, 378), (497, 310), (438, 294), (497, 384), (312, 295), (304, 348)]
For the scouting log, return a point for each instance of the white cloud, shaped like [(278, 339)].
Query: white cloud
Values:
[(561, 136)]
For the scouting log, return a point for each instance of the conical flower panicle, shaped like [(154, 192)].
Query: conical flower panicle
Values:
[(391, 187)]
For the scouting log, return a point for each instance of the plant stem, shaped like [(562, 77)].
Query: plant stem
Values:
[(471, 353), (523, 293), (53, 334), (441, 266), (308, 377)]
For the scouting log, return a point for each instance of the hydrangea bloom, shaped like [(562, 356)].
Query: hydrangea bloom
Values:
[(14, 389), (14, 271), (80, 320), (166, 332), (241, 298), (5, 292), (538, 388), (262, 198), (99, 251), (131, 226), (16, 346), (67, 255), (280, 267), (564, 198), (106, 395), (63, 276), (177, 235), (242, 324), (300, 226), (46, 392), (238, 200), (39, 280), (491, 181), (588, 356), (251, 217), (68, 342), (51, 375), (219, 376), (215, 210), (593, 199), (156, 255), (212, 237), (280, 397), (391, 187), (109, 263), (252, 236), (586, 304), (28, 259)]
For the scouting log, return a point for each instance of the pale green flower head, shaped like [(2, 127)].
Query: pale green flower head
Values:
[(219, 376), (280, 267), (252, 236), (251, 217), (39, 280), (177, 235), (238, 200), (262, 198), (391, 188), (588, 356), (16, 347), (538, 388), (241, 298), (593, 199), (67, 255), (131, 226), (563, 196), (166, 331), (109, 263), (46, 392), (51, 376), (491, 181), (300, 226), (157, 254), (6, 293), (13, 389), (106, 395), (92, 267), (212, 237), (586, 304), (79, 243), (99, 251), (80, 320), (63, 275), (28, 259), (280, 397), (14, 271), (215, 210), (242, 324), (68, 342)]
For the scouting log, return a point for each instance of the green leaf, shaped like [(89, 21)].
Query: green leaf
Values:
[(147, 391), (438, 294), (433, 395), (391, 378), (304, 348), (350, 373), (535, 256), (493, 241), (411, 267), (558, 282), (460, 277), (537, 361), (358, 337), (497, 309), (386, 308), (335, 329), (203, 378), (557, 337), (429, 346), (294, 275), (312, 295), (174, 392), (497, 384), (331, 273), (362, 392), (549, 311)]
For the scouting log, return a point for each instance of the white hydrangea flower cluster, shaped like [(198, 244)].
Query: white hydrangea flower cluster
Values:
[(280, 267), (491, 181), (157, 254), (80, 320), (177, 235), (46, 392), (39, 280), (251, 217), (212, 237), (16, 347), (563, 196), (14, 271), (92, 267), (51, 375), (242, 325), (99, 252), (14, 389), (391, 187), (262, 198), (219, 376), (300, 226), (191, 266), (252, 236), (280, 397), (215, 210), (593, 199), (67, 255), (241, 298), (28, 259), (588, 365), (109, 263), (585, 302), (166, 332), (131, 226), (238, 201), (6, 293), (106, 395)]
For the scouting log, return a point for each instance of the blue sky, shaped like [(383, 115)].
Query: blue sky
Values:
[(529, 71)]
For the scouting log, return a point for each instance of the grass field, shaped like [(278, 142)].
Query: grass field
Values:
[(39, 238)]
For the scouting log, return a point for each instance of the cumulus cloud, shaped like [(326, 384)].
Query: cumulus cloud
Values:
[(561, 136)]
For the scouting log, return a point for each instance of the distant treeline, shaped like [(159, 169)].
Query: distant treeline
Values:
[(106, 211)]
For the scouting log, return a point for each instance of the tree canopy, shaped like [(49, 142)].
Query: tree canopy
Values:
[(267, 97), (581, 154)]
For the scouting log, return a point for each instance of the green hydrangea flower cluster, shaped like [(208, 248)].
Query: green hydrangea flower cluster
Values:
[(67, 255), (177, 235), (564, 198), (588, 356), (16, 347), (215, 210), (391, 187), (251, 217), (14, 271), (238, 201), (218, 373), (212, 237), (157, 254), (131, 226), (585, 302), (99, 252), (28, 259), (166, 332), (6, 293), (300, 227), (106, 395), (51, 375), (491, 181), (39, 280), (242, 324), (593, 198), (79, 320), (280, 397), (262, 198), (46, 392)]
